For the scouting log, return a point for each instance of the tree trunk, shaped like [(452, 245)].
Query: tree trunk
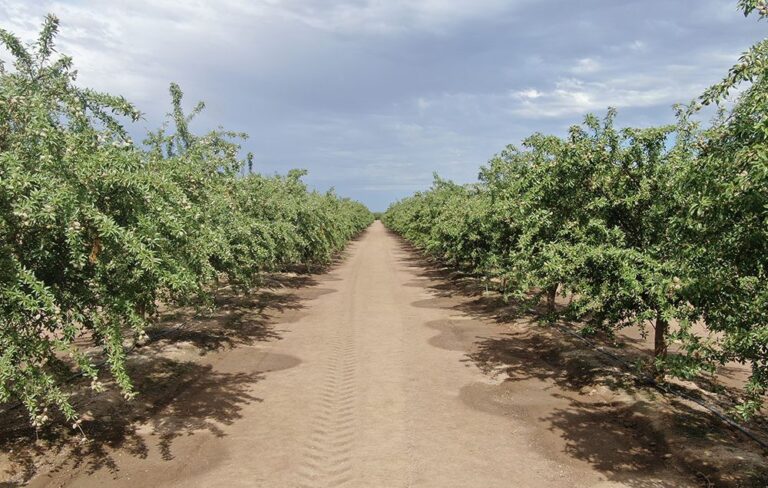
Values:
[(659, 347), (95, 250), (551, 295)]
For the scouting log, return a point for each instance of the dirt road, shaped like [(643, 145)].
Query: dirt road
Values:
[(383, 381)]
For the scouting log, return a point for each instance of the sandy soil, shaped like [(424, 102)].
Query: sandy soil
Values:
[(381, 373)]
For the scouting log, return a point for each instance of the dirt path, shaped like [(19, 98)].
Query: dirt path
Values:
[(379, 383)]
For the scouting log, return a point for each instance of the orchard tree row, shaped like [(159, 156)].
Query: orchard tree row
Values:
[(96, 231), (661, 228)]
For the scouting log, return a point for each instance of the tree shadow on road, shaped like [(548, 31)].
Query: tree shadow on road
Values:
[(177, 398), (600, 414), (593, 409), (180, 391), (237, 320)]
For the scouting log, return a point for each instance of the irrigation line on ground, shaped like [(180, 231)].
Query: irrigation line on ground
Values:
[(666, 389)]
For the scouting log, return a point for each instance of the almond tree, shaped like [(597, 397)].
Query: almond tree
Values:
[(725, 226), (96, 231)]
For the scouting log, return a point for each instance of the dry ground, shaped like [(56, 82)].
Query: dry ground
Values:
[(381, 373)]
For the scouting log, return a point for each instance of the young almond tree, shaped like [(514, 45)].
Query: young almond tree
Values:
[(96, 231), (725, 228), (522, 207), (627, 270), (71, 264), (590, 214)]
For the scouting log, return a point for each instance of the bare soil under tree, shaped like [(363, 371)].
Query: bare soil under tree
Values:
[(383, 372)]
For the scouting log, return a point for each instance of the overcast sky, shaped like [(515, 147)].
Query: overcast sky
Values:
[(373, 96)]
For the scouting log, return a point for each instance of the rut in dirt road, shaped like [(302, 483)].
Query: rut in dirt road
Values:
[(328, 453), (381, 391)]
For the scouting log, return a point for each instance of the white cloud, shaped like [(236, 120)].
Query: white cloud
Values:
[(422, 104), (390, 16), (529, 94), (377, 94), (633, 47), (586, 65), (575, 97)]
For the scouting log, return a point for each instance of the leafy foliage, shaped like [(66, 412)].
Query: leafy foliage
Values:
[(658, 228), (96, 231)]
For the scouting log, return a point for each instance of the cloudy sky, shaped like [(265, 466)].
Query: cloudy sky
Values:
[(373, 96)]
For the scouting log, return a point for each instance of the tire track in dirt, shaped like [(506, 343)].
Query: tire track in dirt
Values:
[(328, 460)]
